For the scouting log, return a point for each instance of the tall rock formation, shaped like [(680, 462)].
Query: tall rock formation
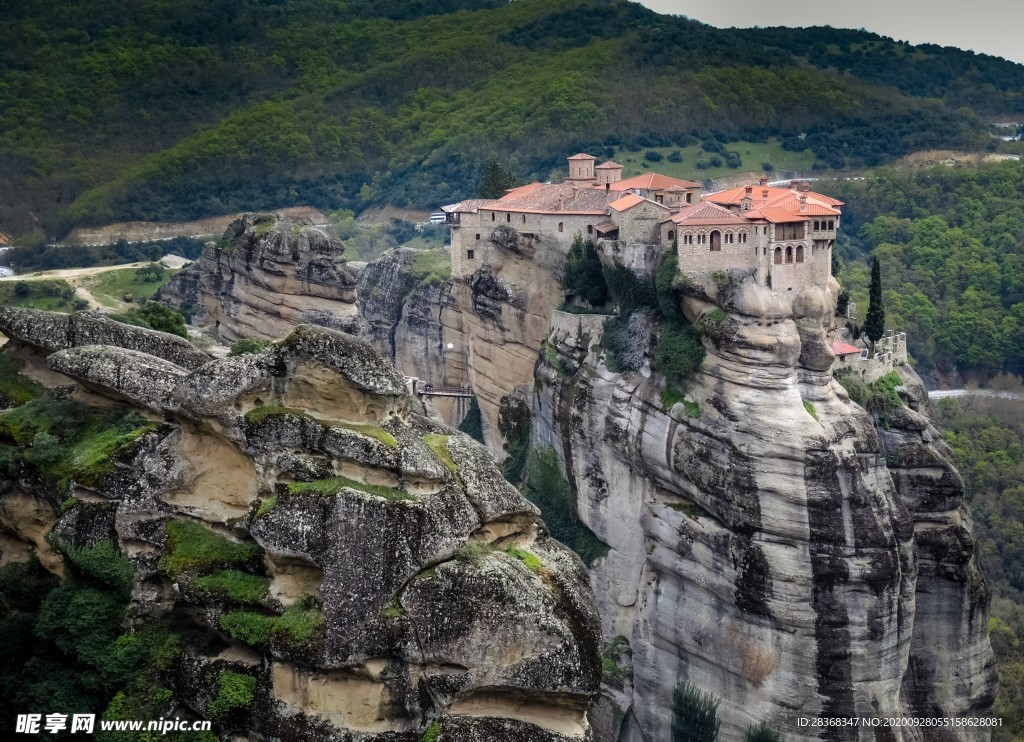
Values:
[(266, 275), (771, 541), (396, 588)]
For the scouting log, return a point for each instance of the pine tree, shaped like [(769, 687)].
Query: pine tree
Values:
[(874, 322), (694, 714), (496, 181)]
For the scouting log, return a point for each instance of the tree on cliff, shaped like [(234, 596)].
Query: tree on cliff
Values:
[(497, 179), (874, 323)]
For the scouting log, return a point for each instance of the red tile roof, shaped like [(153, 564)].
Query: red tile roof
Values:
[(605, 227), (626, 202), (608, 166), (707, 214), (514, 193), (774, 214), (652, 182), (582, 156), (562, 198), (468, 206), (734, 196), (840, 348)]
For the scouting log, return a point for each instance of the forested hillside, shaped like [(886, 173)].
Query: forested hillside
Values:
[(174, 110), (951, 242)]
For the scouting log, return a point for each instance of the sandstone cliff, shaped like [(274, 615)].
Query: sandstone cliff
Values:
[(266, 275), (395, 585), (771, 541)]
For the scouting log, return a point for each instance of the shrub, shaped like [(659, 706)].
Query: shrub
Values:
[(530, 560), (295, 627), (432, 732), (547, 489), (675, 156), (694, 714), (246, 346), (584, 276), (665, 289), (626, 339), (155, 316), (763, 733), (767, 167), (235, 691), (102, 561), (710, 324), (631, 291), (678, 354), (474, 553), (653, 155)]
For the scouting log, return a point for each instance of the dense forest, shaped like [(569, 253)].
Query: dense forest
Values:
[(161, 110), (951, 246)]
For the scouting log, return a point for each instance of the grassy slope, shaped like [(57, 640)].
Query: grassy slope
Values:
[(173, 110), (110, 287)]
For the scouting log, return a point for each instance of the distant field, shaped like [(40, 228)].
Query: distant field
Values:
[(753, 156), (52, 294), (110, 287)]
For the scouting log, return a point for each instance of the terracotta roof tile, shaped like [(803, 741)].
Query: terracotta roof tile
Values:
[(734, 196), (775, 215), (652, 182), (842, 349), (514, 193), (582, 156), (626, 202), (563, 198), (605, 227), (468, 206), (610, 165), (707, 214)]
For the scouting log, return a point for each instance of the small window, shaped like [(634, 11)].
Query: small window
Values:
[(778, 256), (470, 254), (671, 234), (524, 218), (789, 254), (492, 216), (590, 229), (659, 198), (561, 226), (831, 225), (478, 236), (800, 253), (508, 217)]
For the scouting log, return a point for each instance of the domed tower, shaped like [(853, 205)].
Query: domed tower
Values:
[(581, 167), (608, 172)]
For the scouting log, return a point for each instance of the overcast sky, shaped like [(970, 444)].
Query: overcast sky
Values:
[(989, 26)]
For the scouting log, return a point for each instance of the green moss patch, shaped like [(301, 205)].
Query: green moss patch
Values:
[(194, 550), (102, 561), (809, 406), (232, 585), (530, 560), (370, 431), (439, 445), (332, 486), (294, 628), (235, 692), (266, 506), (14, 387)]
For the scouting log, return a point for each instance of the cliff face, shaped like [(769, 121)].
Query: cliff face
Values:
[(397, 585), (266, 275), (412, 318), (771, 541)]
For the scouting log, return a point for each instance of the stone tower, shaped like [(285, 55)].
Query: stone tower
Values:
[(581, 167)]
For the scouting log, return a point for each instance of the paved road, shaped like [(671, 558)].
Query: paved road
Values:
[(940, 394)]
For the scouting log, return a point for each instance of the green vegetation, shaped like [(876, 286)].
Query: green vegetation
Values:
[(474, 553), (370, 431), (15, 388), (235, 692), (584, 274), (438, 444), (101, 561), (266, 505), (613, 657), (763, 732), (51, 294), (112, 287), (193, 549), (547, 489), (146, 113), (154, 316), (233, 585), (809, 406), (530, 560), (63, 439), (258, 414), (497, 179), (692, 408), (950, 245), (332, 486), (678, 354), (670, 397), (432, 266), (246, 346), (694, 162), (432, 732), (472, 425), (691, 510), (879, 396), (296, 627), (393, 609), (874, 322), (987, 439), (34, 257), (694, 714)]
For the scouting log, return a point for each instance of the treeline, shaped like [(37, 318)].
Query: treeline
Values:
[(176, 110), (951, 244), (50, 257)]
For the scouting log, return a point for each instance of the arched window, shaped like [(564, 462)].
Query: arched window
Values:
[(671, 234), (778, 256), (524, 218), (508, 217), (492, 216), (800, 253), (590, 229), (789, 254), (561, 226), (716, 241)]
